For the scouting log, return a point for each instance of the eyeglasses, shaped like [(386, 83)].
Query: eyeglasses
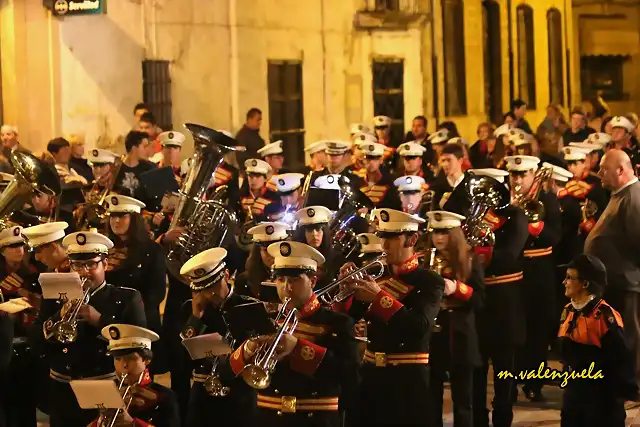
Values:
[(84, 265)]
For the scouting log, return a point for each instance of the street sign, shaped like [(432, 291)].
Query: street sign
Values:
[(79, 7)]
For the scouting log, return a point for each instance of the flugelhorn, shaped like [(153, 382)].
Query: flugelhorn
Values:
[(258, 374), (213, 383), (66, 329), (326, 294)]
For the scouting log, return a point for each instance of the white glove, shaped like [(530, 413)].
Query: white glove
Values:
[(450, 286)]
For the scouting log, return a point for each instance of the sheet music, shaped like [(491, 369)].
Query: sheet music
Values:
[(101, 394), (61, 285), (15, 305), (209, 345)]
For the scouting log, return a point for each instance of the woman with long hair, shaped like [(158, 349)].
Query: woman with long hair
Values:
[(258, 265), (136, 261), (313, 230), (454, 343)]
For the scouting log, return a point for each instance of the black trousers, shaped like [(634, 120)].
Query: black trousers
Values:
[(21, 402), (461, 379), (238, 409), (271, 418), (502, 358), (627, 303), (586, 404)]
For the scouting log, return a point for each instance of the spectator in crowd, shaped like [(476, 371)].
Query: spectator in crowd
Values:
[(519, 109), (249, 137), (78, 162), (578, 130), (60, 149)]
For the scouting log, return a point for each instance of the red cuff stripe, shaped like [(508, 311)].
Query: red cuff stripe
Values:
[(237, 360), (385, 306), (588, 225), (140, 423), (306, 357), (463, 292), (484, 254)]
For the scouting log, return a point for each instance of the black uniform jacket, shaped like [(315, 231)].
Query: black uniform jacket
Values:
[(87, 356), (382, 193), (587, 190), (255, 202), (448, 198), (571, 243), (14, 285), (457, 316), (594, 335), (322, 365), (238, 407), (227, 175)]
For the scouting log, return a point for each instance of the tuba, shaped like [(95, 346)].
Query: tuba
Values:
[(530, 201), (344, 237), (485, 193), (206, 222)]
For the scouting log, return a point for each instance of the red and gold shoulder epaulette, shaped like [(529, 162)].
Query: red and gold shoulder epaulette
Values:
[(375, 192), (578, 188), (222, 176), (494, 221)]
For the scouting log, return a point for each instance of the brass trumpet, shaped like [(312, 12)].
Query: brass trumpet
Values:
[(530, 201), (66, 329), (213, 383), (435, 263), (325, 294), (109, 419), (258, 374)]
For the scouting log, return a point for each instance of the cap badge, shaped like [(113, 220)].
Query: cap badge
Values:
[(518, 160), (596, 136), (81, 239), (95, 153), (384, 216), (371, 148), (270, 230), (254, 163), (330, 179), (311, 213), (285, 249), (170, 135), (409, 180), (114, 201), (437, 217), (114, 333), (332, 145), (16, 231), (281, 181), (364, 240), (199, 272), (359, 127), (362, 137), (521, 136)]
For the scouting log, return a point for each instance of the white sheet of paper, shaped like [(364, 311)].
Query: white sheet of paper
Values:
[(56, 285), (92, 394), (269, 284), (15, 305), (209, 345)]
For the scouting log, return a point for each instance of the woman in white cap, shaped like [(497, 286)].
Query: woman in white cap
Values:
[(136, 261), (454, 343), (313, 230)]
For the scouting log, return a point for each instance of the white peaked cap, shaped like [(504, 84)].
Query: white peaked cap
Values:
[(316, 146), (521, 163), (42, 234), (444, 220), (502, 130), (359, 127), (171, 138), (120, 203), (457, 140), (287, 182), (381, 121), (558, 173), (622, 122), (269, 232), (497, 174), (409, 183), (599, 138), (585, 146), (11, 235), (87, 242), (374, 149), (128, 337), (270, 149), (313, 215), (337, 147), (411, 149), (295, 255), (370, 243), (257, 166), (439, 137), (205, 268), (574, 153), (363, 138), (328, 182), (101, 156), (394, 221)]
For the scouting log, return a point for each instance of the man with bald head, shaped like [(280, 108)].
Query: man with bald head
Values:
[(615, 239)]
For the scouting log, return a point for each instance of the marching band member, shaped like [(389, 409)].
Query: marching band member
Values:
[(382, 126), (370, 247), (539, 264), (413, 164), (500, 323), (273, 154), (86, 357), (378, 184), (229, 175), (171, 148), (454, 343), (317, 155), (289, 191), (356, 128), (259, 263), (451, 159), (135, 260), (212, 297), (46, 242), (130, 347), (318, 361), (599, 141), (254, 194), (313, 230), (336, 150), (103, 164), (46, 208), (400, 313), (361, 139), (592, 339), (411, 189)]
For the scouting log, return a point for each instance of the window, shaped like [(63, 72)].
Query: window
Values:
[(286, 115), (556, 74), (603, 74), (492, 61), (455, 91), (388, 94), (526, 56), (387, 5), (156, 91)]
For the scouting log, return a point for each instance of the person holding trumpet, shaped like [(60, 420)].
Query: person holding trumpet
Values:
[(146, 401), (83, 356), (315, 349), (400, 311)]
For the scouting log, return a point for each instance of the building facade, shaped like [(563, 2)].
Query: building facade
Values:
[(313, 67)]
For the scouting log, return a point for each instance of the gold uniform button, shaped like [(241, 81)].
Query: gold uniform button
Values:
[(65, 350)]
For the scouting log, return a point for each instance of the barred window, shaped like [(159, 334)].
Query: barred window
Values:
[(388, 93), (556, 74), (156, 91), (387, 5), (492, 61), (526, 56), (286, 114), (455, 90)]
